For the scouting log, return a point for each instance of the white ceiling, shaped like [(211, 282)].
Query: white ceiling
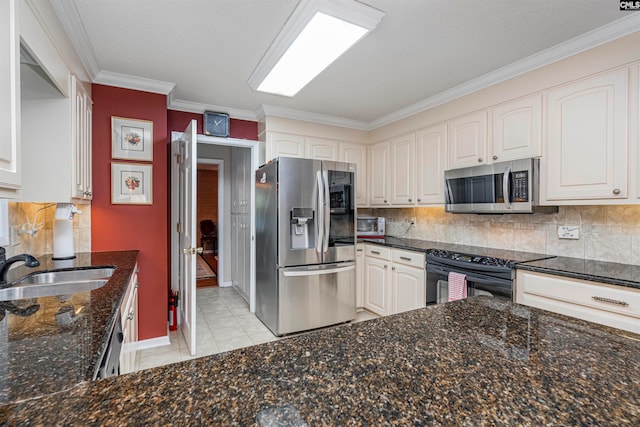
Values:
[(422, 48)]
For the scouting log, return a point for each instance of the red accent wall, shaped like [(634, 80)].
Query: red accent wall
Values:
[(119, 227), (241, 129)]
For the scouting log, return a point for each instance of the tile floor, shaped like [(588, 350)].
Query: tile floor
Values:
[(223, 323)]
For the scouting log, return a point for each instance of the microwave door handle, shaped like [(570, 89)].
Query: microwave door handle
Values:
[(327, 211), (320, 210), (448, 194), (506, 186)]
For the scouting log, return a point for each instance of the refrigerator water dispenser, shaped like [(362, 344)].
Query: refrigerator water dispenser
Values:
[(302, 221)]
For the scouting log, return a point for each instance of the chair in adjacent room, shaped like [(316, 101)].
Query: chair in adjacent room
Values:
[(209, 232)]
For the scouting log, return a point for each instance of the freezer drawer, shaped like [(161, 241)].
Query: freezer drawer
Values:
[(313, 297)]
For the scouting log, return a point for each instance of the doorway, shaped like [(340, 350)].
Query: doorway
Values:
[(210, 183), (237, 179)]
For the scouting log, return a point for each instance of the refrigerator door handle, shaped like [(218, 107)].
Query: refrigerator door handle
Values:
[(318, 272), (327, 211), (320, 210)]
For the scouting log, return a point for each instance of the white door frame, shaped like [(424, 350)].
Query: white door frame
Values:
[(255, 158), (221, 222)]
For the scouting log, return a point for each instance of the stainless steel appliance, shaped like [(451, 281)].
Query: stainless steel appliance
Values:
[(305, 244), (485, 274), (507, 187), (370, 226)]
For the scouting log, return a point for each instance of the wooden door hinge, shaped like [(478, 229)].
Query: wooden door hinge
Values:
[(179, 228)]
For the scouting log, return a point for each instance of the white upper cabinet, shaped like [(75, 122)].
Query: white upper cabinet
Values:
[(357, 154), (81, 117), (586, 141), (321, 149), (284, 144), (468, 140), (432, 161), (516, 131), (403, 170), (10, 174), (379, 173)]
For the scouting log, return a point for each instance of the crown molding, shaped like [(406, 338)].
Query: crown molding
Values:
[(289, 113), (132, 82), (197, 107), (599, 36), (73, 26)]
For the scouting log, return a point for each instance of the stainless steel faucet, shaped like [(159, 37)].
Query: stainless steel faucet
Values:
[(5, 264)]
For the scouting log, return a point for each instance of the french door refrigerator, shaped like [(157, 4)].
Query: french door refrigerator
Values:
[(305, 244)]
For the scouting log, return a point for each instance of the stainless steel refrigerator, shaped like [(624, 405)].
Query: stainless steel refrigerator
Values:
[(305, 244)]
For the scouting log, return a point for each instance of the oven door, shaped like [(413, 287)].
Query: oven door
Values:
[(477, 284)]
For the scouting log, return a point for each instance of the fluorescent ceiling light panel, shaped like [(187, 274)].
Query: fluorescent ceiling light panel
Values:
[(315, 35)]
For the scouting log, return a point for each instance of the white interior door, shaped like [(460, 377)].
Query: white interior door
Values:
[(187, 234)]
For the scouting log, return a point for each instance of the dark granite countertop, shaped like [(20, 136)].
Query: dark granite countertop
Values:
[(479, 361), (578, 268), (38, 356), (430, 246)]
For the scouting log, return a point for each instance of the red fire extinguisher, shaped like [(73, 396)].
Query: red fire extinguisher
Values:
[(173, 310)]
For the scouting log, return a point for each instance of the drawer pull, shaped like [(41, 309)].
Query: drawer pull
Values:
[(405, 258), (610, 301), (375, 252), (358, 250)]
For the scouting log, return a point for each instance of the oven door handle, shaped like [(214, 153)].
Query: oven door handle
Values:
[(491, 281)]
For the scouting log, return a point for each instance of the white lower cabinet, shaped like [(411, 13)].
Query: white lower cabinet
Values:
[(395, 280), (611, 305), (360, 275), (129, 322)]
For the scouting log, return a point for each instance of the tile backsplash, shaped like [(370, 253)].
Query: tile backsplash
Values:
[(606, 233), (34, 222)]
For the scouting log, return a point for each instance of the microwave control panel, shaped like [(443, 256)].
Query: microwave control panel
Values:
[(521, 186)]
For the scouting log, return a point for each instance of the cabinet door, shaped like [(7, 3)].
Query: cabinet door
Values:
[(403, 170), (408, 288), (359, 275), (376, 293), (517, 129), (239, 179), (468, 140), (357, 154), (81, 147), (321, 149), (378, 173), (283, 144), (10, 178), (432, 160), (586, 144)]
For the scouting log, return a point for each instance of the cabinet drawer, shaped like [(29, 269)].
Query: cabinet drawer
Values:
[(600, 296), (377, 251), (414, 259)]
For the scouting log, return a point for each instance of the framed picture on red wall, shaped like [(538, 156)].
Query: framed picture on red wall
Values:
[(131, 184), (131, 139)]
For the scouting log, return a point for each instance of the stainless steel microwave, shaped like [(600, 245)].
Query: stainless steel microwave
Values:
[(370, 226), (506, 187)]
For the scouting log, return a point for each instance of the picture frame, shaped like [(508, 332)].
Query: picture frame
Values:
[(131, 139), (131, 184)]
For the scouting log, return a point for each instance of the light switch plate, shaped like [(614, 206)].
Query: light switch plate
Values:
[(569, 232)]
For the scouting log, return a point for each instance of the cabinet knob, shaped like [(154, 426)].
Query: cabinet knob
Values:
[(131, 314), (87, 193), (410, 200), (616, 191), (393, 268), (384, 201), (419, 200), (495, 157), (480, 160), (385, 266)]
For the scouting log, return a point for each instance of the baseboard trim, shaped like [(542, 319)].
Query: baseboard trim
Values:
[(154, 342), (225, 284)]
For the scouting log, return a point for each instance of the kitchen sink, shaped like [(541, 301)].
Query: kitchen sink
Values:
[(61, 282)]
